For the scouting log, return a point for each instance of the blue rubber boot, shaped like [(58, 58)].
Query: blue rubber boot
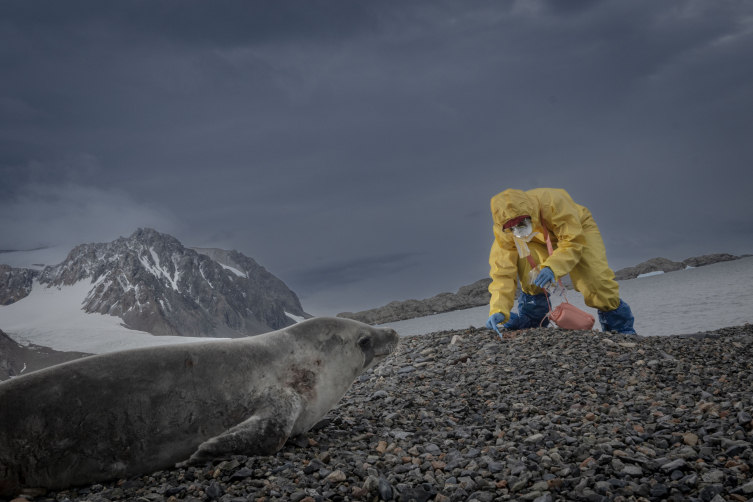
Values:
[(620, 319), (532, 309)]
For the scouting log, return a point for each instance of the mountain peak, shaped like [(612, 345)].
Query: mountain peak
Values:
[(155, 284)]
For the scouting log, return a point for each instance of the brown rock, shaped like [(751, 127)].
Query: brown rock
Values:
[(325, 457), (438, 464), (308, 499), (590, 416), (337, 476), (690, 439), (705, 407), (501, 483), (555, 483), (587, 462), (359, 493), (382, 446), (441, 498), (637, 428)]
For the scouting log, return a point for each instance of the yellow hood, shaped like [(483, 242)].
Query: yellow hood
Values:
[(513, 203)]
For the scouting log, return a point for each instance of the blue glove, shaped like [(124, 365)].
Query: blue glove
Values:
[(495, 319), (545, 276)]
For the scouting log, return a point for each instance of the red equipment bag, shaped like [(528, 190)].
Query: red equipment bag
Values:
[(565, 315)]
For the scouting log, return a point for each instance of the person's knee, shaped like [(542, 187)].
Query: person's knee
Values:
[(602, 302), (532, 311), (600, 291)]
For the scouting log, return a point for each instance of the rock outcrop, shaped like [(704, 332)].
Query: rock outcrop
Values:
[(709, 259), (15, 283), (665, 265), (653, 265), (473, 295)]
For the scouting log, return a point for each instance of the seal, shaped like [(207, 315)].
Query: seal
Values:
[(139, 411)]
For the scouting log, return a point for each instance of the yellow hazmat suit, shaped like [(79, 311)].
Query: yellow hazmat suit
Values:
[(578, 249)]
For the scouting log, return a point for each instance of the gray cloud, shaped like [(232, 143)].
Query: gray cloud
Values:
[(362, 270), (55, 206), (308, 134)]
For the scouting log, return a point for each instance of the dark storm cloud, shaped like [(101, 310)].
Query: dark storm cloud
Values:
[(345, 273), (310, 135)]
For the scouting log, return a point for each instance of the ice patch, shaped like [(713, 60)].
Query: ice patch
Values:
[(157, 270), (155, 257), (52, 317), (649, 274), (295, 317), (688, 267), (234, 270), (201, 270)]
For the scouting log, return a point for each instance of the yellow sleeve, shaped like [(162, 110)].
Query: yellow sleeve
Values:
[(563, 218), (504, 274)]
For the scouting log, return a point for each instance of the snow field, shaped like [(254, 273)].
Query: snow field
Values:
[(52, 317)]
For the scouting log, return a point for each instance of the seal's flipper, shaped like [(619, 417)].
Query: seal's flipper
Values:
[(264, 433)]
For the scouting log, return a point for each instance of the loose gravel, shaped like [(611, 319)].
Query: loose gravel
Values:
[(542, 415)]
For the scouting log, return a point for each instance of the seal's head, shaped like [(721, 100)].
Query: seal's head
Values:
[(362, 345), (332, 353), (376, 344)]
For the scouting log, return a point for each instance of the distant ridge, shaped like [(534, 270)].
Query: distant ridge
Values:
[(477, 294), (664, 265)]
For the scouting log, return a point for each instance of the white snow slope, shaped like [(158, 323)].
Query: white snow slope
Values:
[(686, 301), (52, 317)]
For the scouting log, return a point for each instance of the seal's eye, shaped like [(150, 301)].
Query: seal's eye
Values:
[(364, 342)]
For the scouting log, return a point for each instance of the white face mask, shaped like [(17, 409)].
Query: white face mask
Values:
[(523, 230)]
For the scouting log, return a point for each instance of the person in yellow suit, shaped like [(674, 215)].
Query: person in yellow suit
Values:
[(578, 251)]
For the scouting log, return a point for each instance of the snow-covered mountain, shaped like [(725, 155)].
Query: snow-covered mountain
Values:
[(261, 279), (155, 284)]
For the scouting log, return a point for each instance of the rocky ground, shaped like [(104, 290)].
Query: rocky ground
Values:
[(543, 415)]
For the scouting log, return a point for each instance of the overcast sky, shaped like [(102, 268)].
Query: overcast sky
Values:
[(352, 147)]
